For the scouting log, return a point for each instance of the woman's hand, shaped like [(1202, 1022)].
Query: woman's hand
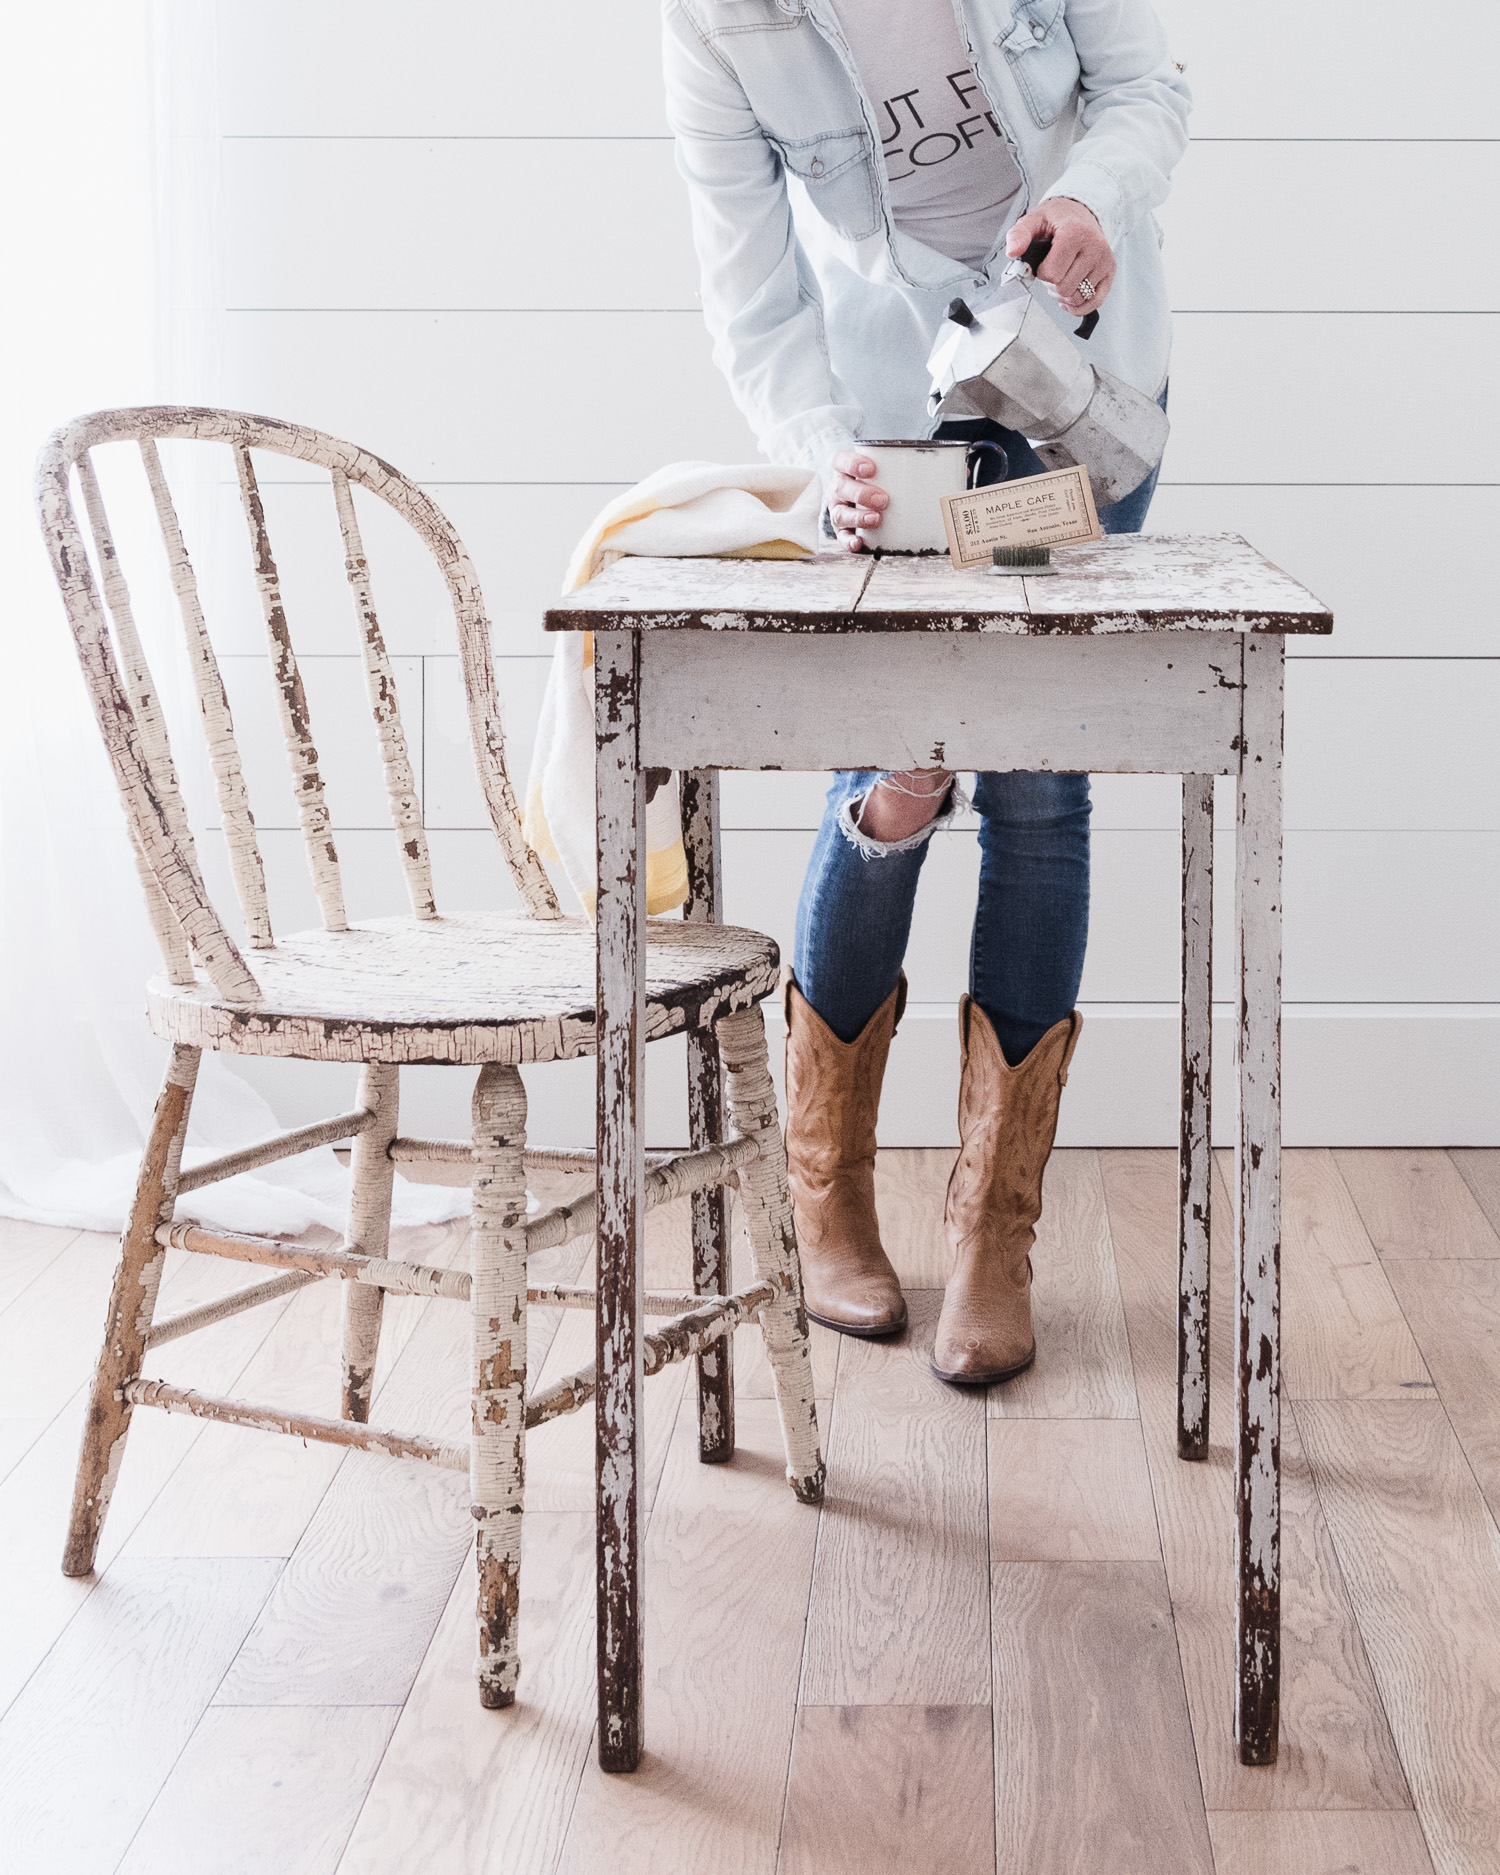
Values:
[(1079, 251), (854, 500)]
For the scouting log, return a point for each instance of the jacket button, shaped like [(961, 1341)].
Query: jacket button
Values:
[(1037, 29), (817, 165)]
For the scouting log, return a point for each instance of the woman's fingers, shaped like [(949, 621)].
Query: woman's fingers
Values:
[(1064, 259), (855, 502), (1100, 275), (852, 494), (1079, 251)]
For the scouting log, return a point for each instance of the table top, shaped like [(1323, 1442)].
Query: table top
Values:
[(1124, 583)]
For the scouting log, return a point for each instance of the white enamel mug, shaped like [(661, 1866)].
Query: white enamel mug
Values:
[(916, 475)]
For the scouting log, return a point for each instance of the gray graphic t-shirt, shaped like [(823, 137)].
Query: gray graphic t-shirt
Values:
[(951, 172)]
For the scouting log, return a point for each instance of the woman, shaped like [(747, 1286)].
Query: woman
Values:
[(826, 271)]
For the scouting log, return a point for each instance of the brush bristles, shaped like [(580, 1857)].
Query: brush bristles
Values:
[(1023, 556)]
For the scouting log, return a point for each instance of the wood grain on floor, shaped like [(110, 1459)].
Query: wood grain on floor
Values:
[(1416, 1204), (1336, 1749), (1093, 1750), (1479, 1167), (1003, 1647), (1345, 1336), (1318, 1842), (1422, 1560), (1454, 1311), (925, 1798), (899, 1611)]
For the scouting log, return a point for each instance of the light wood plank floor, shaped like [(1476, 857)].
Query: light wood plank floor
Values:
[(1003, 1645)]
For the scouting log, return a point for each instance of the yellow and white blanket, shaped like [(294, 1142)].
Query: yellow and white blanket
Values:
[(748, 511)]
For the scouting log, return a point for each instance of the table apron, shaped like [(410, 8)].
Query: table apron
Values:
[(1140, 703)]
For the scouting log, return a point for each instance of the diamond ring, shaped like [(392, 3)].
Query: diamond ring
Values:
[(1085, 288)]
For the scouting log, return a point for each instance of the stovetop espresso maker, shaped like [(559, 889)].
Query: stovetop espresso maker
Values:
[(999, 355)]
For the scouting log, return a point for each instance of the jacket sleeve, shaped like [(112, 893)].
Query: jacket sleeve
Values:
[(760, 299), (1135, 107)]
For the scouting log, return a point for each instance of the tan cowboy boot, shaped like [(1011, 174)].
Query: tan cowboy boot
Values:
[(1007, 1120), (832, 1098)]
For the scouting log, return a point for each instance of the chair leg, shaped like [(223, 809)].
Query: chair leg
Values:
[(767, 1206), (710, 1251), (132, 1305), (1194, 1158), (372, 1179), (497, 1451)]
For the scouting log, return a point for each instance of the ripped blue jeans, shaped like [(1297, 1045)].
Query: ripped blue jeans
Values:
[(1031, 923)]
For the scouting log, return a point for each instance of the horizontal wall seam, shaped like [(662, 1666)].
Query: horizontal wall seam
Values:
[(307, 481), (545, 657), (437, 136), (969, 825), (1226, 1007), (696, 312)]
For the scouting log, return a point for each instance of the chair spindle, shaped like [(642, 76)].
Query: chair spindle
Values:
[(291, 700), (156, 750), (223, 751), (400, 783)]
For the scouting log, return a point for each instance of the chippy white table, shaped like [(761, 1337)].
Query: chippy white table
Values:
[(1145, 654)]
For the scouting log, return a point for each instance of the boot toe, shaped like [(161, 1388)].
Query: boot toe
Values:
[(982, 1338), (870, 1309), (978, 1363)]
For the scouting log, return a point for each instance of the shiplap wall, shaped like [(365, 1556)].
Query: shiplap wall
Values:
[(455, 235)]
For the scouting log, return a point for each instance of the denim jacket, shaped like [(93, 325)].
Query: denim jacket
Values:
[(822, 313)]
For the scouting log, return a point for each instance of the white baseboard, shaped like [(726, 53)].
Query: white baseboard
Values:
[(1378, 1075), (1385, 1074)]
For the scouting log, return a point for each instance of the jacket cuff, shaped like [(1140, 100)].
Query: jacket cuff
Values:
[(813, 450), (1099, 190)]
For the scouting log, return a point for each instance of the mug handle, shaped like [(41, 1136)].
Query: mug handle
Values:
[(975, 456)]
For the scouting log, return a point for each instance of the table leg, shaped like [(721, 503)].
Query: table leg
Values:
[(700, 838), (1258, 1229), (1194, 1161), (621, 1024)]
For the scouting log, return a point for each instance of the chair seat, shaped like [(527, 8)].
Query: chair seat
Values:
[(482, 987)]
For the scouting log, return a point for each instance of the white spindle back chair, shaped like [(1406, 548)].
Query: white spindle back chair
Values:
[(488, 990)]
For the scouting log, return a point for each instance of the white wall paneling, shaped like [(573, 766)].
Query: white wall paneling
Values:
[(520, 537), (494, 396), (1370, 917), (1355, 1076), (460, 241), (342, 731), (467, 874), (1362, 69), (405, 235), (1392, 743), (451, 796), (608, 396), (467, 68), (1362, 397), (1366, 69), (1255, 226), (1349, 545), (1250, 226), (1372, 743)]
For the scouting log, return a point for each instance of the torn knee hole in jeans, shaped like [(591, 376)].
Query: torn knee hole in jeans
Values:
[(870, 848)]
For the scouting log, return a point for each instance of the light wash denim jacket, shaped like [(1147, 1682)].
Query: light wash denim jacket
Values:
[(822, 314)]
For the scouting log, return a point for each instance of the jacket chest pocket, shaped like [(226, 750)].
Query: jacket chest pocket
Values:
[(836, 171), (1040, 52)]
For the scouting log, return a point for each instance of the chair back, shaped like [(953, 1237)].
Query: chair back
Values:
[(128, 709)]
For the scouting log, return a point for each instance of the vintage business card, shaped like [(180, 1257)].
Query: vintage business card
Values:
[(1035, 511)]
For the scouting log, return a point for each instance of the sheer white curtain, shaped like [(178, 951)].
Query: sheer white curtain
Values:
[(105, 225)]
